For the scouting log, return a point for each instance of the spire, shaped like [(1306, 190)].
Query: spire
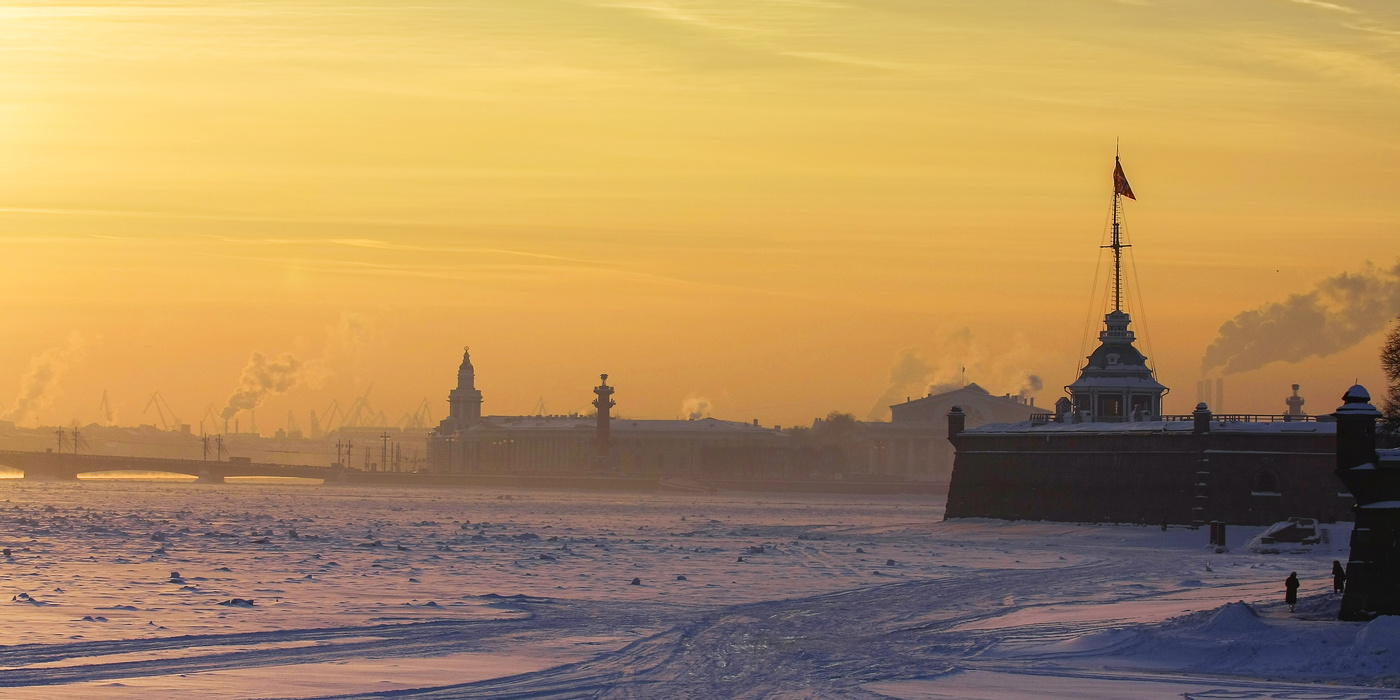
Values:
[(1116, 383), (464, 402), (466, 374)]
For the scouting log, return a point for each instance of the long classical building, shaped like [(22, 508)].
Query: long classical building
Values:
[(470, 443)]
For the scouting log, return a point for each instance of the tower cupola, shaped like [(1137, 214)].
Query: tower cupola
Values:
[(464, 402)]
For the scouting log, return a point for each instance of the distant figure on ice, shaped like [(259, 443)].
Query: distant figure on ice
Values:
[(1290, 594), (1339, 577)]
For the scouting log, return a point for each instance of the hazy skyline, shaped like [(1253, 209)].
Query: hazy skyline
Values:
[(765, 206)]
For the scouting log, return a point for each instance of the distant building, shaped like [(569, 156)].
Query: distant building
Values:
[(467, 442), (914, 443)]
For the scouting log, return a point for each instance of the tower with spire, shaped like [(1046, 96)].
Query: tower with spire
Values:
[(1116, 383), (464, 402)]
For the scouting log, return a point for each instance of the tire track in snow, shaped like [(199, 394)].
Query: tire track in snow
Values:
[(826, 645), (433, 638)]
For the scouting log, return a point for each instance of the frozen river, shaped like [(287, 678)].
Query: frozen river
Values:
[(141, 589)]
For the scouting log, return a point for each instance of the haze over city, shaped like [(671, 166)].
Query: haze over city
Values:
[(767, 207)]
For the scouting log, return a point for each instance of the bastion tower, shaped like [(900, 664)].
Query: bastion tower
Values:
[(465, 401)]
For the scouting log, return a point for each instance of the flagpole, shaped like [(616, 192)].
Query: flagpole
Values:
[(1119, 189), (1117, 253)]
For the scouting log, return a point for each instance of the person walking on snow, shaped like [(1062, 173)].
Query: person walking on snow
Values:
[(1339, 577), (1290, 594)]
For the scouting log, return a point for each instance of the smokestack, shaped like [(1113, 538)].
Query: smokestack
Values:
[(1220, 395), (957, 422)]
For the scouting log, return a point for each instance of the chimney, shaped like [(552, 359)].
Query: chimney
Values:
[(957, 421), (1220, 394)]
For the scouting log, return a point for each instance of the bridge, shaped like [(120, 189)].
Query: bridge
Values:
[(59, 466)]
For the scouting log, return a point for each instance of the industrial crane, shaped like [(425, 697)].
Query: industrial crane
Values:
[(162, 407)]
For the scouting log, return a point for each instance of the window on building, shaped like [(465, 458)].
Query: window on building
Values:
[(1110, 406)]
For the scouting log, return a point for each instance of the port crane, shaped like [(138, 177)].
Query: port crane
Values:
[(162, 407)]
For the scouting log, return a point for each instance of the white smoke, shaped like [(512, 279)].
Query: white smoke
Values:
[(349, 335), (695, 407), (1338, 313), (263, 378), (40, 384), (957, 359), (909, 373)]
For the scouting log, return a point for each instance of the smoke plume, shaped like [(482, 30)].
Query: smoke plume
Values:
[(39, 386), (1338, 313), (350, 335), (1031, 384), (907, 377), (263, 378), (695, 407), (959, 358)]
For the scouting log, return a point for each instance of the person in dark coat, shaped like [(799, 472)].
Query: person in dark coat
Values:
[(1290, 586), (1339, 578)]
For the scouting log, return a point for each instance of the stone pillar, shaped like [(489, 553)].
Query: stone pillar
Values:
[(1373, 569), (1202, 419), (604, 404)]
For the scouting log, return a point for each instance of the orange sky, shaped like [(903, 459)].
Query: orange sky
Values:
[(761, 204)]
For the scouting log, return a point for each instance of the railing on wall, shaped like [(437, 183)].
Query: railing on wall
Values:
[(1043, 418)]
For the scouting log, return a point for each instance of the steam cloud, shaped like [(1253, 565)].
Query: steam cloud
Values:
[(263, 378), (695, 407), (350, 334), (910, 371), (39, 386), (913, 374), (1340, 312)]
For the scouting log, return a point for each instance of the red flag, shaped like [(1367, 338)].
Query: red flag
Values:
[(1120, 181)]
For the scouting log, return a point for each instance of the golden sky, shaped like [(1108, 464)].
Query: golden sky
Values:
[(761, 203)]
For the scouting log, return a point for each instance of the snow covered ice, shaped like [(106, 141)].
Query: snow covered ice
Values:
[(130, 589)]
